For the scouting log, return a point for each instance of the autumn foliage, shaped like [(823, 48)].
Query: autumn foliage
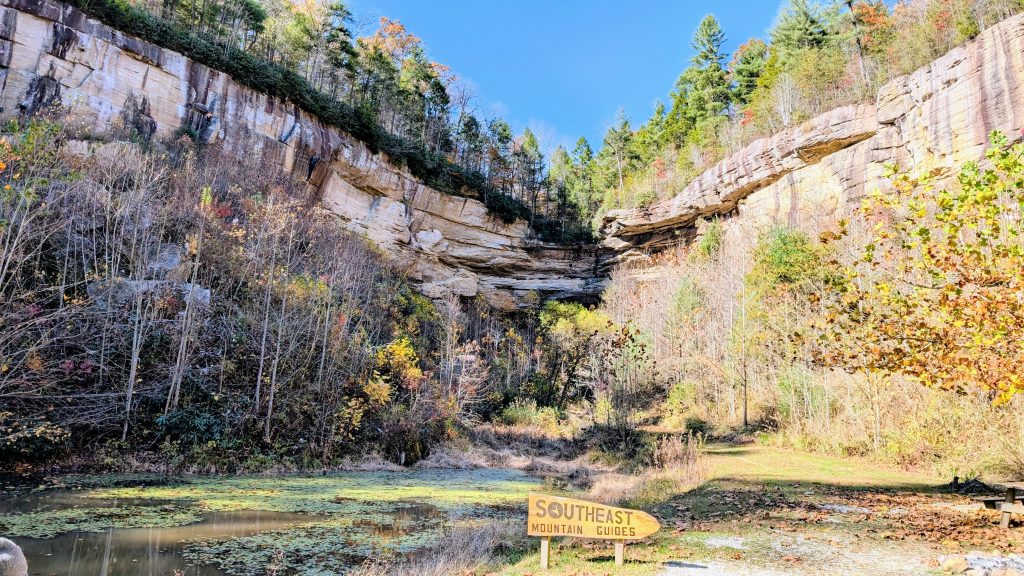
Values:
[(937, 292)]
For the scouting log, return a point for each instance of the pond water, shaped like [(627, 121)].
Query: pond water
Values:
[(151, 551), (248, 525)]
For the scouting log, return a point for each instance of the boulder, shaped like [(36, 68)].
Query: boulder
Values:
[(12, 559)]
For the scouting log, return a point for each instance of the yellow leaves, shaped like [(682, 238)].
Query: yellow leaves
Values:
[(34, 362), (350, 417), (937, 295), (206, 198), (377, 391), (399, 362)]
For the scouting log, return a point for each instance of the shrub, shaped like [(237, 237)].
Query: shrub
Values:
[(697, 426), (547, 420), (645, 198), (29, 439), (192, 425), (710, 243), (521, 412), (785, 257), (681, 399)]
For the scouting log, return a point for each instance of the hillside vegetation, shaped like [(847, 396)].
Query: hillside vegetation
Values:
[(815, 57), (195, 311), (176, 321), (892, 334), (384, 89)]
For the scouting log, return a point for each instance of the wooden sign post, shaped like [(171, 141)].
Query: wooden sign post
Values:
[(550, 516)]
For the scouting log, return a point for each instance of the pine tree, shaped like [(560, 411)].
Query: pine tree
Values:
[(340, 52), (616, 142), (648, 139), (708, 93), (582, 153), (531, 167), (748, 63), (801, 26), (581, 188)]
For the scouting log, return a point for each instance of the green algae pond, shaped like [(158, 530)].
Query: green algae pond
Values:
[(233, 525)]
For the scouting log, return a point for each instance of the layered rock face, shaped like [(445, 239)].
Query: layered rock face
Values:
[(932, 120), (51, 53)]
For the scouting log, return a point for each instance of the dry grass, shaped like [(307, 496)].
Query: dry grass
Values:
[(679, 466), (646, 489), (454, 457), (372, 462), (467, 550)]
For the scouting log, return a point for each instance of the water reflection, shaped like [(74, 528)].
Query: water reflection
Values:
[(144, 551)]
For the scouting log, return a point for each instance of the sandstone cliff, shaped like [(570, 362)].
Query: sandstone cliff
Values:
[(52, 53), (931, 120)]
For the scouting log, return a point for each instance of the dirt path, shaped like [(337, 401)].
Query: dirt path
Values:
[(767, 512)]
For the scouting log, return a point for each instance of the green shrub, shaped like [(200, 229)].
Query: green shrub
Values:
[(785, 257), (521, 412), (710, 243), (191, 425), (645, 198), (680, 399), (688, 299), (698, 426)]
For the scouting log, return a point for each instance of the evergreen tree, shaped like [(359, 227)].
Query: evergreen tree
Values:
[(702, 90), (582, 154), (648, 139), (530, 167), (340, 52), (562, 169), (616, 143), (748, 64), (707, 42), (708, 93), (498, 153), (581, 185), (472, 142), (802, 25), (678, 122)]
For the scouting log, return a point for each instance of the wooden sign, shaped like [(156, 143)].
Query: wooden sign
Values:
[(556, 516)]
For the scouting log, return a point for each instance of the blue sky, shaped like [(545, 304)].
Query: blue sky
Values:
[(565, 67)]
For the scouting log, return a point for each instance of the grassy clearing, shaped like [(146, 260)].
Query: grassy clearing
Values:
[(770, 465), (772, 509)]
